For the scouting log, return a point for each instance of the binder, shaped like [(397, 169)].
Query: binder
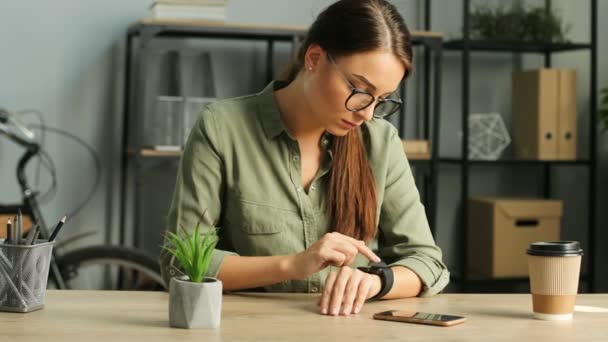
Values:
[(544, 114), (534, 114), (567, 116)]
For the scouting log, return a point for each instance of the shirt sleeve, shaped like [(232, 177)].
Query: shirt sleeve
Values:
[(198, 193), (405, 238)]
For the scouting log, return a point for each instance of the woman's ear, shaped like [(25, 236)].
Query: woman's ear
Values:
[(313, 57)]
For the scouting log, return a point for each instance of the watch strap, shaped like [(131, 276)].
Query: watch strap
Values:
[(386, 277)]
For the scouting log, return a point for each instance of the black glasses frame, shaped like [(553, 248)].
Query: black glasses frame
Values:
[(355, 91)]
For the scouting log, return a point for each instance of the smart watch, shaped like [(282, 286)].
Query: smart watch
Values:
[(386, 276)]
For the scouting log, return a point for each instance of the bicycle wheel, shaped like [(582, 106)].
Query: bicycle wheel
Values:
[(110, 268)]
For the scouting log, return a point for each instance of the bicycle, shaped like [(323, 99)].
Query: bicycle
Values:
[(132, 269)]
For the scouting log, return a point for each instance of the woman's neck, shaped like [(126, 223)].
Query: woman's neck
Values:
[(296, 113)]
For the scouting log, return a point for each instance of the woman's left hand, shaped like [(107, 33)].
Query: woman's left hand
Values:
[(347, 290)]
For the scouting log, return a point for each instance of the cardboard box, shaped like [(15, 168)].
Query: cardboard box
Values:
[(544, 114), (500, 230), (417, 149)]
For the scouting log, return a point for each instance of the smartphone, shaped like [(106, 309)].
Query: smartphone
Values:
[(420, 318)]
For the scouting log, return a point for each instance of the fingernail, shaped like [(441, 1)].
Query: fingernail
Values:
[(334, 311), (324, 311), (357, 309), (377, 259), (346, 311)]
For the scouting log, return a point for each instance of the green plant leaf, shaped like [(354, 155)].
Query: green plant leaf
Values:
[(193, 250), (517, 24)]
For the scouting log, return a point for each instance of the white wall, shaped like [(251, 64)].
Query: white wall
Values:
[(60, 58), (64, 58)]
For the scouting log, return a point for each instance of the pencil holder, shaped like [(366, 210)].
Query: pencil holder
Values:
[(24, 272)]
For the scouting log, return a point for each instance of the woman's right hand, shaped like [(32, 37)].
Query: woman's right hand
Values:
[(333, 249)]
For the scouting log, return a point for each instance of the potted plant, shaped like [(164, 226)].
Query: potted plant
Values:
[(518, 24), (195, 301)]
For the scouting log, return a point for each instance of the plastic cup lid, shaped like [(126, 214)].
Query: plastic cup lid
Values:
[(555, 248)]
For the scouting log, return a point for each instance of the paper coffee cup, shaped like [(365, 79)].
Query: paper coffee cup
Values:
[(554, 275)]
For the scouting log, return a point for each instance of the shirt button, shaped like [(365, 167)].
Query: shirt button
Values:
[(312, 188), (296, 158), (299, 189), (315, 289)]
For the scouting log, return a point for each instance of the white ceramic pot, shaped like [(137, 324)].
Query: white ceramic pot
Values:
[(195, 305)]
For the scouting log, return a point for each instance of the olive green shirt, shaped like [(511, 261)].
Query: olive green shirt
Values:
[(242, 168)]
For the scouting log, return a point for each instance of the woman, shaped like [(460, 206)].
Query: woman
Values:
[(302, 177)]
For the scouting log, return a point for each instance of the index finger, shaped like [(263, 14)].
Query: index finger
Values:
[(362, 248), (367, 252)]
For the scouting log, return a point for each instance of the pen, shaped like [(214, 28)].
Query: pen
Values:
[(31, 235), (19, 265), (20, 227), (16, 230), (9, 231), (35, 236), (57, 228)]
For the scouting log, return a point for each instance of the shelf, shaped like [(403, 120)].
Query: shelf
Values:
[(215, 29), (218, 29), (514, 162), (514, 46), (150, 153), (140, 38)]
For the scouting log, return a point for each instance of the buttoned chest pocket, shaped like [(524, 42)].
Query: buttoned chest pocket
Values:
[(258, 229)]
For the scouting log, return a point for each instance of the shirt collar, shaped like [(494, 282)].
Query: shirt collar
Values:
[(269, 111), (271, 117)]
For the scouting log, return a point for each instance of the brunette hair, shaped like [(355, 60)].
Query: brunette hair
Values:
[(345, 28)]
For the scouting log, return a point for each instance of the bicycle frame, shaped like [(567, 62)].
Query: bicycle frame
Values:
[(30, 207), (70, 262)]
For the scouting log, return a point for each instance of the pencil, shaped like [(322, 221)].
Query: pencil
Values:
[(57, 228)]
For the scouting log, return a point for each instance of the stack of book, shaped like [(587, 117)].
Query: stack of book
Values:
[(213, 10)]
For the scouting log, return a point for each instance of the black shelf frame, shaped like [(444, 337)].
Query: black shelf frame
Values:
[(521, 162), (140, 36), (466, 46), (514, 46)]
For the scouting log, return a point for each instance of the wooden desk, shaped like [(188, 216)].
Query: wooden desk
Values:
[(142, 316)]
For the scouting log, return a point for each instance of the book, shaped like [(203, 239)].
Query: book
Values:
[(170, 11), (214, 10), (193, 2)]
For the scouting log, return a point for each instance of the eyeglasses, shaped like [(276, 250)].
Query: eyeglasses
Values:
[(360, 99)]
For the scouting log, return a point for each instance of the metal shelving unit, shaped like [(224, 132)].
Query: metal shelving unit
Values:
[(138, 40), (467, 46)]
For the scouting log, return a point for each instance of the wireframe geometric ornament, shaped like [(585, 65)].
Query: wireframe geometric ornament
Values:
[(488, 136)]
